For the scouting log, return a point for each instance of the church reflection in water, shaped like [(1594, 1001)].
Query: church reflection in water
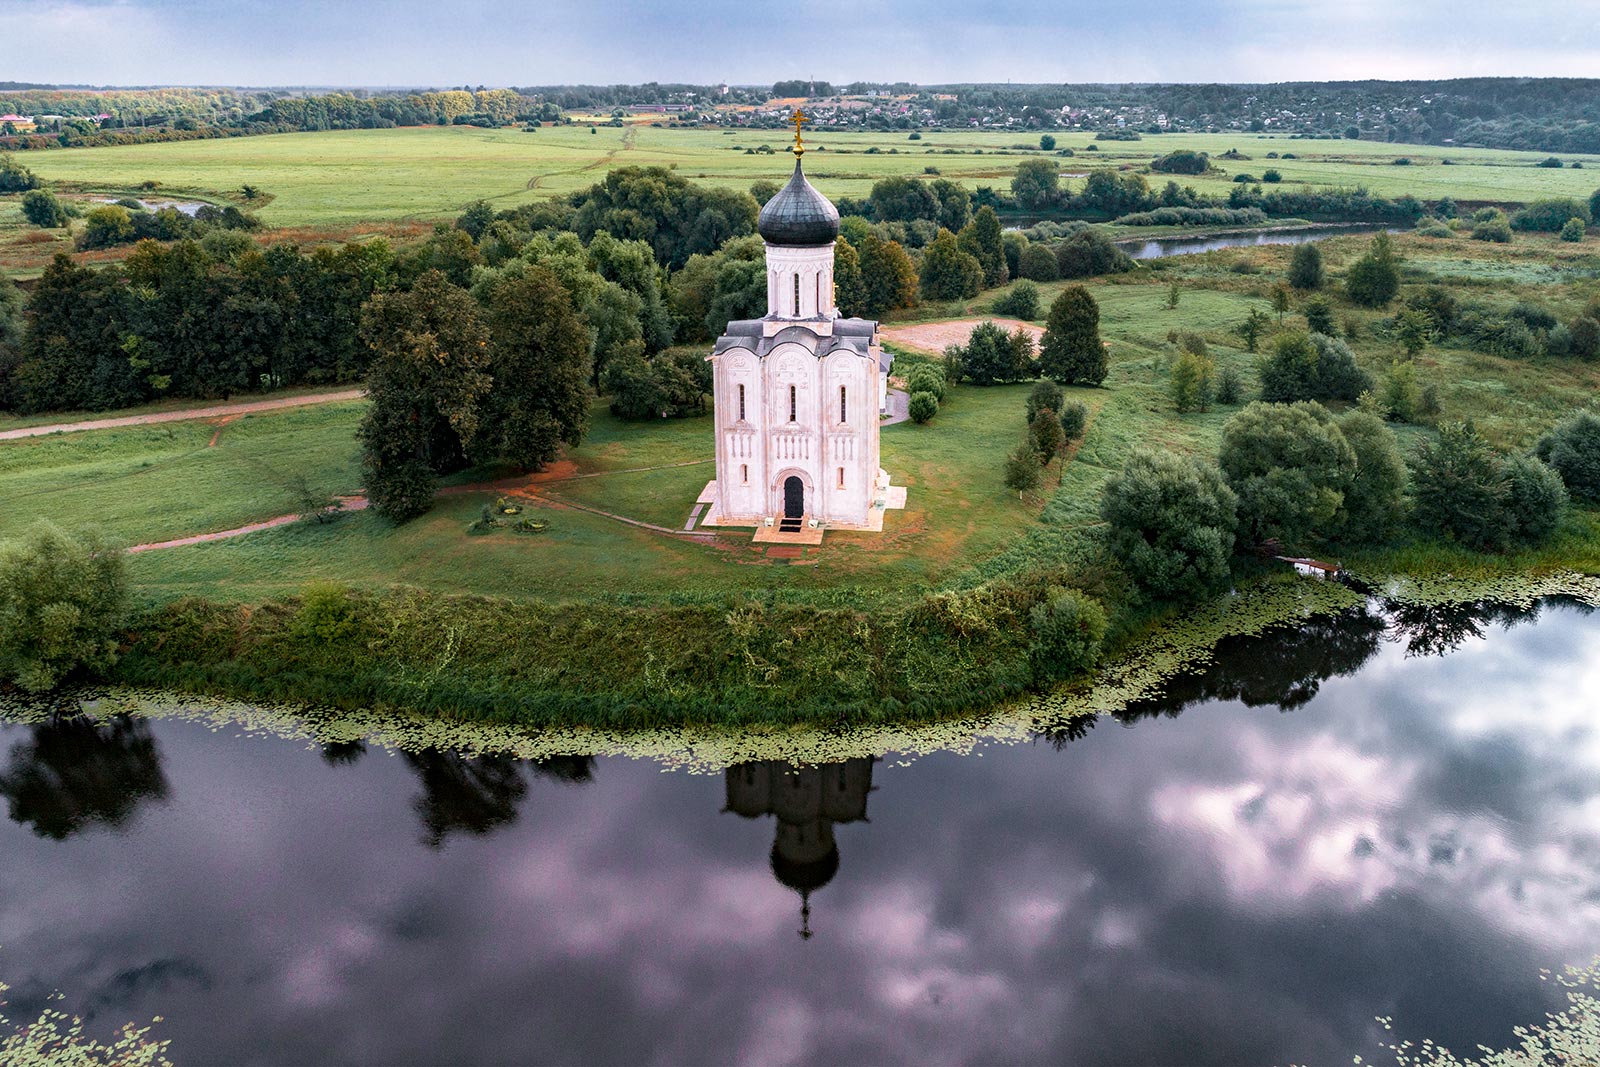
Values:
[(806, 802)]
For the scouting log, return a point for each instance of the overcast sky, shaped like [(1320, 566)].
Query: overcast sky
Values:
[(514, 42)]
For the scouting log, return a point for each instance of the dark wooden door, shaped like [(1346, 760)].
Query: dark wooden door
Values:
[(794, 497)]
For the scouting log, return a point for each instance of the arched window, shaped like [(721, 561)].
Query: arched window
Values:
[(843, 416), (797, 295), (741, 401), (794, 407)]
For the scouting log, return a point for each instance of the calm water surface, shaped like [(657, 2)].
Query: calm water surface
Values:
[(1161, 247), (1372, 816)]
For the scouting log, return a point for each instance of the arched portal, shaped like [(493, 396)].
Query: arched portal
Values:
[(794, 497)]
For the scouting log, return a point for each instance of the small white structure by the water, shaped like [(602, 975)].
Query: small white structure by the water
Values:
[(798, 393)]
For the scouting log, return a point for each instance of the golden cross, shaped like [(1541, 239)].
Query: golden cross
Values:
[(799, 117)]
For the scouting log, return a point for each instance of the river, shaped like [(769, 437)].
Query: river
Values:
[(1161, 247), (1377, 814)]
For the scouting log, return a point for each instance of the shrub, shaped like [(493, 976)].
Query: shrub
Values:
[(1375, 499), (1072, 351), (1190, 383), (1182, 161), (1046, 396), (1067, 629), (1271, 177), (1311, 367), (1571, 230), (1022, 469), (1585, 338), (1572, 449), (1460, 487), (1230, 388), (1495, 230), (1549, 216), (1290, 466), (1171, 523), (926, 378), (923, 406), (1074, 417), (14, 177), (1088, 253), (1553, 162), (1535, 499), (1401, 399), (62, 600), (40, 207), (1022, 302), (1319, 315), (1305, 267), (1431, 227), (990, 356), (1374, 279), (1046, 436)]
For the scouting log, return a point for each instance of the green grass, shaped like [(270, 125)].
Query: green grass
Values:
[(345, 177)]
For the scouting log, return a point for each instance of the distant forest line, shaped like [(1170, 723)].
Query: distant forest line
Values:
[(1529, 114)]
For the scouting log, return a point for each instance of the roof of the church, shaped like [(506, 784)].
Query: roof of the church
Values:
[(849, 335), (799, 215)]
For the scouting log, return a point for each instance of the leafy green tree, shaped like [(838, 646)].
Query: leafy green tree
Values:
[(1074, 419), (1280, 302), (1585, 342), (677, 218), (1535, 499), (1305, 267), (1572, 449), (636, 391), (1413, 328), (763, 191), (1046, 396), (1190, 383), (1374, 279), (1290, 466), (1319, 315), (1549, 216), (62, 601), (1072, 352), (476, 220), (1182, 161), (632, 265), (1036, 184), (1090, 253), (888, 277), (1311, 367), (1047, 142), (14, 177), (40, 207), (1251, 329), (1572, 230), (106, 226), (1022, 469), (922, 406), (1230, 389), (1461, 488), (988, 357), (1046, 437), (1401, 400), (1172, 521), (900, 199), (982, 239), (1067, 628), (539, 364), (926, 378), (1039, 264), (948, 272), (955, 204), (849, 289), (426, 384), (1375, 499)]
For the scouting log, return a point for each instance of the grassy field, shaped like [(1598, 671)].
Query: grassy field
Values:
[(364, 176)]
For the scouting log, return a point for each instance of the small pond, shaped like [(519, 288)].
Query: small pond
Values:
[(1380, 813)]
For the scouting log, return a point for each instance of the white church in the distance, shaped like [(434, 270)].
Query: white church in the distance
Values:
[(798, 394)]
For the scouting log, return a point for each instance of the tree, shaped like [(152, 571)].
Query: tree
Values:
[(1172, 522), (1190, 384), (1036, 184), (888, 278), (1319, 315), (922, 406), (1251, 329), (1230, 389), (1549, 216), (1046, 437), (1375, 499), (1022, 302), (14, 177), (1038, 264), (62, 601), (1290, 466), (40, 207), (1311, 367), (1412, 328), (1374, 279), (1183, 161), (948, 272), (1022, 469), (1047, 142), (1046, 396), (1074, 419), (677, 218), (476, 220), (1572, 449), (1572, 230), (988, 357), (955, 204), (428, 377), (1535, 500), (539, 364), (763, 191), (1067, 630), (1461, 488), (926, 378), (1174, 294), (900, 199), (982, 238), (1072, 352), (1280, 302), (1089, 253), (849, 289), (1585, 338), (1305, 267)]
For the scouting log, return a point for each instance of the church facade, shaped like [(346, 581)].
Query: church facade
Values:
[(798, 394)]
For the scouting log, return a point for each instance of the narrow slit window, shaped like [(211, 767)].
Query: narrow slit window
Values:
[(794, 407), (797, 296), (744, 473), (841, 477), (843, 411), (819, 294), (741, 402)]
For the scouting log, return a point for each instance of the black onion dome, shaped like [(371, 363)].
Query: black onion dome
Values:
[(803, 876), (799, 215)]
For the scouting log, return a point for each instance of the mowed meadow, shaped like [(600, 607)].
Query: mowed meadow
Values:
[(425, 173)]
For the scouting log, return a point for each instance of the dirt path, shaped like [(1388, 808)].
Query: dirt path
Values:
[(931, 337), (219, 411)]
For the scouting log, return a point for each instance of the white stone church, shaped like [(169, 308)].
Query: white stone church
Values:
[(798, 394)]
